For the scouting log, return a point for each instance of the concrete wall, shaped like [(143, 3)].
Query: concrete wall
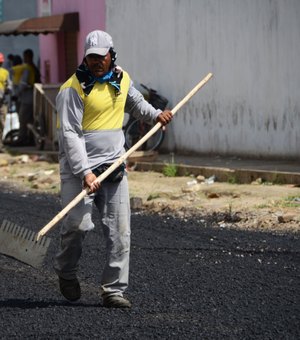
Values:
[(251, 107)]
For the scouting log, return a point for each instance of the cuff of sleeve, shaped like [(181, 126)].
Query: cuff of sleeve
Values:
[(85, 172), (158, 112)]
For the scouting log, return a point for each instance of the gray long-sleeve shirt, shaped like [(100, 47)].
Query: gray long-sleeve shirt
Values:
[(82, 150)]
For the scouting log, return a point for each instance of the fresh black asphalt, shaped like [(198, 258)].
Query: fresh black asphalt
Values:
[(189, 279)]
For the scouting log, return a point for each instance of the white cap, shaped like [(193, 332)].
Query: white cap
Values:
[(97, 42)]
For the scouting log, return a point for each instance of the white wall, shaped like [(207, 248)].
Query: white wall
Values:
[(251, 107)]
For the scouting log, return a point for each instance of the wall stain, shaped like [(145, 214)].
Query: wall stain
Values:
[(284, 121), (274, 18), (251, 119), (274, 124)]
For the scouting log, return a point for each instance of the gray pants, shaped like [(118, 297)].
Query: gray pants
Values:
[(112, 202)]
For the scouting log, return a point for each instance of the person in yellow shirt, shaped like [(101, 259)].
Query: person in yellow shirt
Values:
[(91, 106), (16, 75), (30, 75), (5, 87)]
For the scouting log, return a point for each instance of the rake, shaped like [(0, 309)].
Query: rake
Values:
[(31, 248), (22, 244)]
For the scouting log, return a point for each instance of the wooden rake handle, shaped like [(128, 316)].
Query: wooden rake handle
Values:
[(119, 161)]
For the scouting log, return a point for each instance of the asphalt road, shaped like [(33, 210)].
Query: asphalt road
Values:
[(188, 280)]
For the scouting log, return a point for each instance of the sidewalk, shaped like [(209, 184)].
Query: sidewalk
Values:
[(232, 169), (226, 169)]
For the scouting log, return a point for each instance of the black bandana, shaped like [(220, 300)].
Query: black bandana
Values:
[(87, 80)]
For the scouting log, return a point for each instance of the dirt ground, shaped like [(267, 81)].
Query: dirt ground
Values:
[(262, 206)]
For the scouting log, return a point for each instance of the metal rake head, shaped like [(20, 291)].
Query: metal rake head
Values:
[(22, 244)]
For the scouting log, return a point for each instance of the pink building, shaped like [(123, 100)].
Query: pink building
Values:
[(61, 27), (71, 20)]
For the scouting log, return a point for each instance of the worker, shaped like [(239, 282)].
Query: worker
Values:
[(90, 106), (16, 74), (30, 76), (5, 88)]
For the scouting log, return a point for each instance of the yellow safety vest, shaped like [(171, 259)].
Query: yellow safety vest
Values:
[(103, 109), (4, 74)]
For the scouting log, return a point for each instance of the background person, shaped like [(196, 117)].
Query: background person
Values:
[(30, 75), (8, 63), (5, 88), (90, 109), (16, 75)]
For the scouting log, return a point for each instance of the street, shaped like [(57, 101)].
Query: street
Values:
[(188, 280)]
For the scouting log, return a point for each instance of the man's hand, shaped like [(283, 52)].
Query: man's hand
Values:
[(165, 117), (89, 181)]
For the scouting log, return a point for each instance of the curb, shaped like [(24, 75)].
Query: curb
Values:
[(240, 176), (236, 175)]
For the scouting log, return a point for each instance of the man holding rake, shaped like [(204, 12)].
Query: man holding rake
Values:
[(91, 106)]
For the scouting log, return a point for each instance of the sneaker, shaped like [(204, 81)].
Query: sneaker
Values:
[(116, 301), (70, 289)]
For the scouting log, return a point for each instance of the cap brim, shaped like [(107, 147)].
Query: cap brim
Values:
[(100, 51)]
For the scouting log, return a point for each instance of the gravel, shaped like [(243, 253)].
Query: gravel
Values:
[(188, 280)]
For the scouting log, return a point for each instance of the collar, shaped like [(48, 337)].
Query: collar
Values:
[(87, 80)]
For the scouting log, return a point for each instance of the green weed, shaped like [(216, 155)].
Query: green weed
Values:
[(170, 170), (289, 202), (276, 179), (152, 197), (232, 179), (262, 206)]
